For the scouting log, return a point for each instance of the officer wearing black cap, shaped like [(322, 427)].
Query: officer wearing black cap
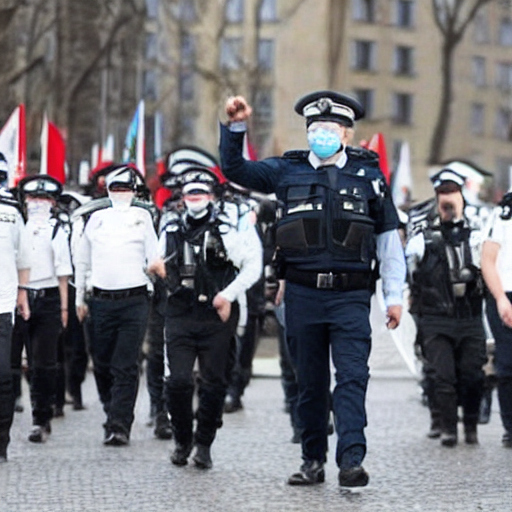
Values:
[(15, 265), (117, 244), (48, 297), (210, 257), (447, 291), (336, 220)]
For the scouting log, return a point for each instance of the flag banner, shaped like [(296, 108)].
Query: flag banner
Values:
[(13, 145), (53, 152), (107, 151), (134, 144), (401, 185), (378, 145)]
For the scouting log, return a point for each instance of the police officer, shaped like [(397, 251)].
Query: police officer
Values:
[(15, 265), (497, 272), (117, 244), (447, 297), (212, 256), (47, 293), (337, 217)]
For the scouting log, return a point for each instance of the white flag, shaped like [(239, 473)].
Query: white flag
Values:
[(402, 181)]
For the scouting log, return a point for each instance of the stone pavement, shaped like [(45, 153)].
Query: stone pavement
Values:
[(74, 472)]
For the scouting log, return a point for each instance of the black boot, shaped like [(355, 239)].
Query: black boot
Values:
[(209, 415), (202, 457), (179, 402), (163, 427)]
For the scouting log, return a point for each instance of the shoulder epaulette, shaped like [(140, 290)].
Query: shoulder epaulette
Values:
[(296, 154), (87, 209), (362, 154), (8, 199)]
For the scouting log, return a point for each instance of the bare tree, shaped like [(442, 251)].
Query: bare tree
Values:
[(452, 18)]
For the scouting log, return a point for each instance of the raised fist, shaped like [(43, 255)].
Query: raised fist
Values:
[(237, 109)]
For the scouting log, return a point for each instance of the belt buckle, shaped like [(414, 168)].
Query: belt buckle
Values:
[(325, 281)]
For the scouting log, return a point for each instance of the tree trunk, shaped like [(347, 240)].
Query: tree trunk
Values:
[(444, 114)]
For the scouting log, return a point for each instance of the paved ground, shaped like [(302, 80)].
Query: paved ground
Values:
[(253, 456)]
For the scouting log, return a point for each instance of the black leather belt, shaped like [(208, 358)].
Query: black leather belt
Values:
[(119, 294), (43, 292), (329, 280)]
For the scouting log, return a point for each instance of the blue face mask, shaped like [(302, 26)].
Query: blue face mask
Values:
[(324, 143)]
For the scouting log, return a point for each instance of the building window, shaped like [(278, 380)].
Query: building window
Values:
[(403, 61), (363, 10), (235, 11), (150, 91), (504, 76), (404, 13), (481, 32), (187, 49), (402, 108), (152, 9), (187, 11), (366, 98), (478, 71), (502, 124), (364, 55), (151, 52), (477, 121), (505, 37), (266, 54), (231, 53), (186, 85), (268, 11), (263, 117)]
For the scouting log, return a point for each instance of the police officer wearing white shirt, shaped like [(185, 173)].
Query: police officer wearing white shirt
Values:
[(15, 265), (212, 256), (116, 246), (497, 271), (47, 292)]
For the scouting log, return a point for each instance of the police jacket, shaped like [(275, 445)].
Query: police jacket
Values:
[(329, 215), (219, 253), (444, 280)]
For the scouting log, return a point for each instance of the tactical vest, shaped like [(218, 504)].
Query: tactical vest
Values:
[(326, 221), (198, 266), (446, 282)]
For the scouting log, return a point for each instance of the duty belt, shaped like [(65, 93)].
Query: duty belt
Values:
[(125, 293), (329, 280), (34, 293)]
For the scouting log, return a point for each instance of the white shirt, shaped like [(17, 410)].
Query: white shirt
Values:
[(50, 257), (14, 255), (499, 230), (116, 246)]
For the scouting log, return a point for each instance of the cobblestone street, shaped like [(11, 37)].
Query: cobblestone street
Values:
[(253, 457)]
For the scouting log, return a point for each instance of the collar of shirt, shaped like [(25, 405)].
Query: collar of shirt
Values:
[(316, 162)]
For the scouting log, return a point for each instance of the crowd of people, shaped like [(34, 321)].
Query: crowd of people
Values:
[(104, 275)]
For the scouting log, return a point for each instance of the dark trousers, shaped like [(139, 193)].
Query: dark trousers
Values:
[(198, 334), (502, 361), (319, 322), (155, 363), (42, 332), (118, 328), (455, 350), (6, 393)]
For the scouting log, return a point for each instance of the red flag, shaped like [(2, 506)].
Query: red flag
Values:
[(378, 145), (53, 152)]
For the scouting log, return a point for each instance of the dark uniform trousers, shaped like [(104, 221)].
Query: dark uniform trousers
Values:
[(42, 332), (502, 360), (6, 391), (318, 322), (155, 355), (455, 349), (198, 334), (117, 327)]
